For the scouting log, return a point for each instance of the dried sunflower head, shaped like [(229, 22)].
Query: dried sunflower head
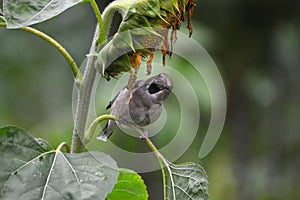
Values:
[(144, 28)]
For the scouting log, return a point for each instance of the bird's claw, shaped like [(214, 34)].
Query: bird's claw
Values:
[(144, 135)]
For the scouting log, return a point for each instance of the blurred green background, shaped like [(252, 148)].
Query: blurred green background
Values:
[(255, 45)]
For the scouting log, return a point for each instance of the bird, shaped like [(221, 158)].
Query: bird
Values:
[(142, 108)]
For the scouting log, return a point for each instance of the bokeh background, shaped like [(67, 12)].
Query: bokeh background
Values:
[(255, 45)]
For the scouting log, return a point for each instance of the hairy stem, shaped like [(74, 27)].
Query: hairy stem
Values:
[(83, 100), (85, 92), (74, 68)]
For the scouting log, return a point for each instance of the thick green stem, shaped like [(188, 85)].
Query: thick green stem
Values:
[(74, 68), (85, 92), (83, 101)]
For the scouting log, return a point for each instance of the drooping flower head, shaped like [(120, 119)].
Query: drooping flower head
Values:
[(144, 28)]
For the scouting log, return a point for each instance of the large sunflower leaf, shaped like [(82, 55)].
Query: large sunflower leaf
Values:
[(31, 170), (20, 13)]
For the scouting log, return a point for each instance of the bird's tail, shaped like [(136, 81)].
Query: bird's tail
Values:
[(107, 131)]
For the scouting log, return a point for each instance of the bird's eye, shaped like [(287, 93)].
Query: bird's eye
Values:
[(153, 88)]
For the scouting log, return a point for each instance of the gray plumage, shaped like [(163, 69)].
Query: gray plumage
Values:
[(143, 108)]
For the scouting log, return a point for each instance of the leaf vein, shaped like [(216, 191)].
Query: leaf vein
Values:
[(23, 167), (186, 177), (127, 191), (189, 196), (42, 10), (74, 171), (48, 177)]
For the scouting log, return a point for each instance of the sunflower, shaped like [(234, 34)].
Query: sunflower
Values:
[(144, 28)]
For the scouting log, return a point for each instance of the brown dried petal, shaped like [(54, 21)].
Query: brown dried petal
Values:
[(149, 63), (190, 8)]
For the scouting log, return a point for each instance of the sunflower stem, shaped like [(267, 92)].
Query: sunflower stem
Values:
[(85, 92)]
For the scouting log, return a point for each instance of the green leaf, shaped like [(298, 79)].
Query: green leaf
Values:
[(31, 170), (44, 144), (186, 181), (20, 13), (129, 186)]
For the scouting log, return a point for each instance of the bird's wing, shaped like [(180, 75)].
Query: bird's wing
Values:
[(112, 102)]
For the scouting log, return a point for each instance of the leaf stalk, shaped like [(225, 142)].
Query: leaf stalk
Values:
[(103, 32), (162, 162), (90, 131), (65, 145)]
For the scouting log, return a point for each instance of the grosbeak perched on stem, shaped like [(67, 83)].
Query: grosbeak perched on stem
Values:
[(142, 109)]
